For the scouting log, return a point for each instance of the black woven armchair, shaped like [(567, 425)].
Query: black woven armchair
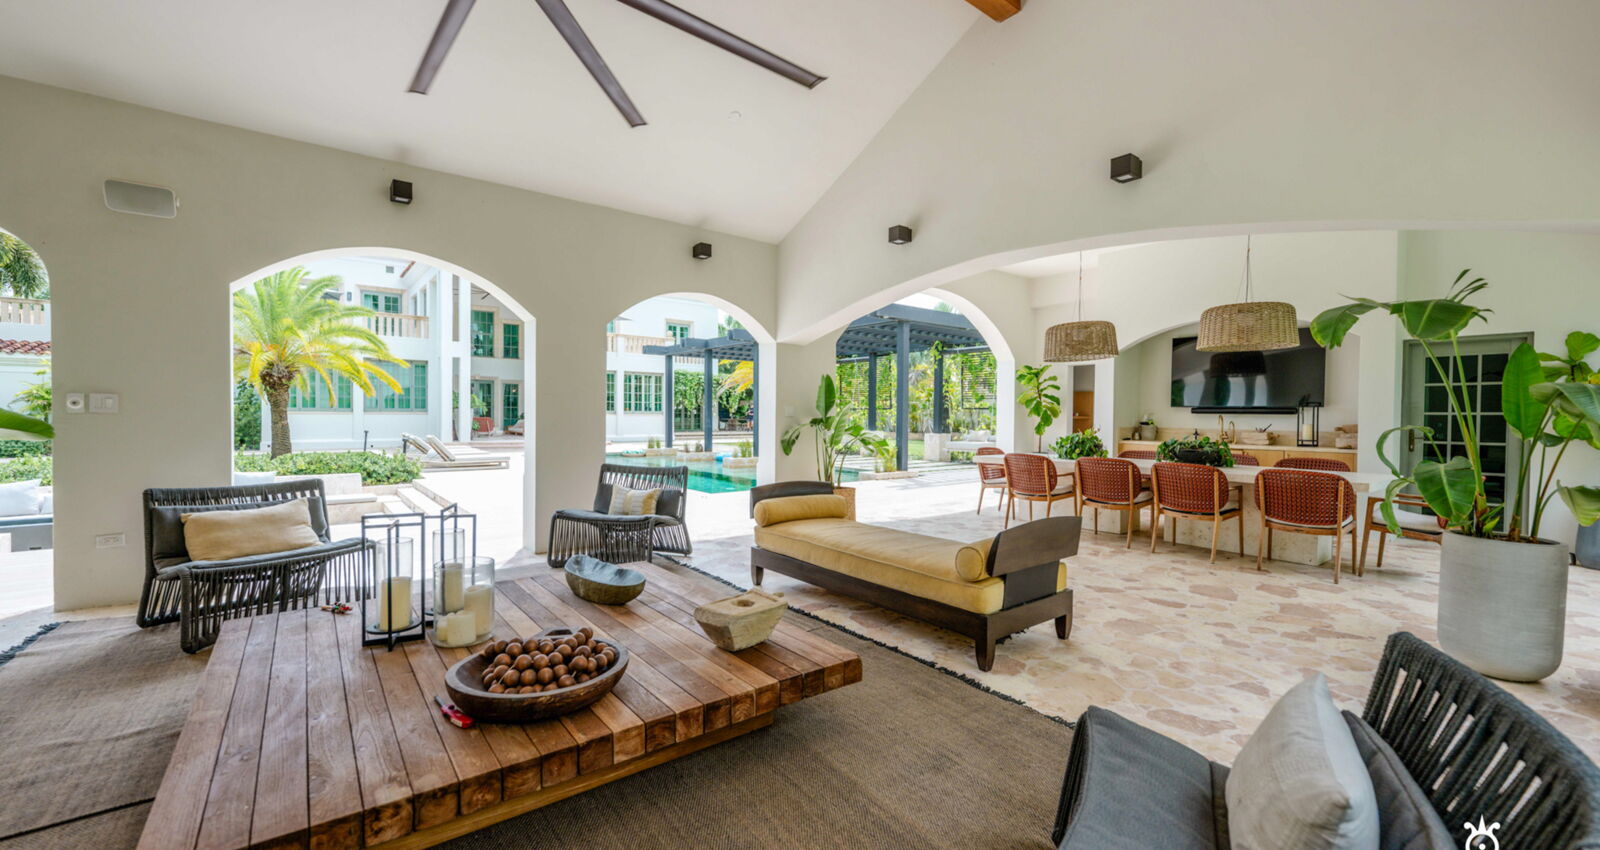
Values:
[(200, 595), (620, 539)]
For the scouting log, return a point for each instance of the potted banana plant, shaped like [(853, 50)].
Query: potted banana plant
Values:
[(1502, 585), (838, 435)]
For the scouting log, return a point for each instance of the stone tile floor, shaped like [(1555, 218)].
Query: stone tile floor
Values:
[(1195, 650)]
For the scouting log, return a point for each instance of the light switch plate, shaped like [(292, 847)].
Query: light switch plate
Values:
[(103, 402)]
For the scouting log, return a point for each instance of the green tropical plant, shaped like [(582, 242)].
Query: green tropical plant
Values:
[(27, 469), (21, 272), (1169, 449), (285, 332), (373, 467), (246, 417), (1550, 402), (35, 398), (744, 448), (1080, 444), (1040, 396), (836, 433)]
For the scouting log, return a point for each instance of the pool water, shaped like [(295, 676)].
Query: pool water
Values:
[(705, 476)]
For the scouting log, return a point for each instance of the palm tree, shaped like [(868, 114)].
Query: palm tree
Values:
[(21, 271), (285, 332)]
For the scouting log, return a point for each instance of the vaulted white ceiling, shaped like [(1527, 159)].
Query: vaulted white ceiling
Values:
[(729, 145)]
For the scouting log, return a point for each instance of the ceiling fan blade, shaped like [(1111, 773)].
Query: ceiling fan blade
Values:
[(567, 25), (702, 29), (455, 14)]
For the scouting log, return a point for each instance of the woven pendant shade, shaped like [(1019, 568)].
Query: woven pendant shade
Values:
[(1075, 341), (1071, 342), (1249, 326)]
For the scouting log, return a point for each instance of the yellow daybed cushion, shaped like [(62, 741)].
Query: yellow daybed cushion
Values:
[(224, 535), (790, 508), (933, 568)]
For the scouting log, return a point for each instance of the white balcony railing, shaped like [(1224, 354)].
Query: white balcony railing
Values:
[(24, 311), (635, 344), (398, 324)]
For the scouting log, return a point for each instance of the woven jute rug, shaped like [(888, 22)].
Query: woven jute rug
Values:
[(908, 757), (89, 714)]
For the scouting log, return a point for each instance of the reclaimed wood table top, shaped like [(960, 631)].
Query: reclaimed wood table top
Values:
[(1244, 475), (299, 737)]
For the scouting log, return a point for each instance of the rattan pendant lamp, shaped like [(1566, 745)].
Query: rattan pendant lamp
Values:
[(1249, 325), (1071, 342)]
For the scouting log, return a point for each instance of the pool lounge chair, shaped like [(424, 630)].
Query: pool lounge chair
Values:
[(436, 455)]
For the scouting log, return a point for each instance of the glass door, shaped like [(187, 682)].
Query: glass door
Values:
[(482, 399), (1427, 403)]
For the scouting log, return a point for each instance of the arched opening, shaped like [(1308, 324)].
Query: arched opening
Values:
[(26, 462), (446, 413), (688, 382)]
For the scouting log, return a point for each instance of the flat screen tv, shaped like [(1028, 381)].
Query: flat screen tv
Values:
[(1247, 381)]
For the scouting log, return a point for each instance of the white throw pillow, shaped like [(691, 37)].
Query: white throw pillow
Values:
[(625, 502), (20, 498), (1300, 781)]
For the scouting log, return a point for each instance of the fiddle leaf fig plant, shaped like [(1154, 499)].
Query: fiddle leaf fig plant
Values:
[(1549, 401), (1040, 396), (837, 433)]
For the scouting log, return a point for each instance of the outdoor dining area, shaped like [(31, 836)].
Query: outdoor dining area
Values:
[(1300, 510)]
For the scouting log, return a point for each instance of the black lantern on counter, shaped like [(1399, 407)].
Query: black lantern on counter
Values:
[(1308, 424)]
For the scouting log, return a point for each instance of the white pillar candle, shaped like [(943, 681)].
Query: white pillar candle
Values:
[(394, 603), (480, 601), (452, 583), (458, 629), (1307, 432)]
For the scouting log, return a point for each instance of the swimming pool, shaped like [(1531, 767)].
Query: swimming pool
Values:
[(705, 476)]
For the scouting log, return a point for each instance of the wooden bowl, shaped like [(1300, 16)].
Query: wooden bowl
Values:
[(463, 681)]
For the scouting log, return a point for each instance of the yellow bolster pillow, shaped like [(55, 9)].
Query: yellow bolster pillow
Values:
[(972, 560), (791, 508)]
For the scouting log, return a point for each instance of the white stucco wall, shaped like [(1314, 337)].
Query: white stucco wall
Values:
[(135, 296)]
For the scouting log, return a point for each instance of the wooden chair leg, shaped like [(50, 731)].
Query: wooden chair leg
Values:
[(1263, 541), (1216, 528), (1097, 519), (981, 490), (1240, 518), (1047, 505), (1338, 559), (1011, 506), (1132, 517), (1359, 569), (1155, 529), (1383, 536), (1366, 538)]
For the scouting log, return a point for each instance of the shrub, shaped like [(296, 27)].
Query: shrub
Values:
[(246, 417), (1080, 444), (26, 448), (744, 448), (373, 468), (25, 468)]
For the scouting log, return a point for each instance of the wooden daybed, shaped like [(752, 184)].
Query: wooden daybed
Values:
[(984, 590)]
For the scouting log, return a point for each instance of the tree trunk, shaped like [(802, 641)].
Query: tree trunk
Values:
[(278, 404)]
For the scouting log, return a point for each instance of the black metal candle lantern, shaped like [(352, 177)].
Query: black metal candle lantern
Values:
[(397, 606), (1308, 424)]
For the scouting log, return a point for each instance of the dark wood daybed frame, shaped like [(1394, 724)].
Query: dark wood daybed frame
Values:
[(1025, 558)]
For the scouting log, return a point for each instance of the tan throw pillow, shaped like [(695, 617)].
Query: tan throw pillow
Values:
[(625, 502), (224, 535)]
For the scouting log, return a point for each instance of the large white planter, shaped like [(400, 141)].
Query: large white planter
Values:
[(1503, 606)]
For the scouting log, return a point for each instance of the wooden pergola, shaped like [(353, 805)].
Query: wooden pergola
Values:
[(736, 344)]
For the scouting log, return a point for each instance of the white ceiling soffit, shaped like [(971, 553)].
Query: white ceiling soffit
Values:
[(729, 146)]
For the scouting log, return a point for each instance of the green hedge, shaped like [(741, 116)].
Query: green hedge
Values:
[(26, 448), (374, 468), (25, 468)]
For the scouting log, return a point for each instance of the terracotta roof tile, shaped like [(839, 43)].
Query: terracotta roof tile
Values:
[(35, 347)]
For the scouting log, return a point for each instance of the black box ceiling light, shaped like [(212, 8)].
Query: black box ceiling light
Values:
[(899, 235), (702, 250), (400, 191), (1126, 168)]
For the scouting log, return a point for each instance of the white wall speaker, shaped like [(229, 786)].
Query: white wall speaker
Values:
[(141, 199)]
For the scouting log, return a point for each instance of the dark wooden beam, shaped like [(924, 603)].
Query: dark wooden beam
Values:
[(998, 9)]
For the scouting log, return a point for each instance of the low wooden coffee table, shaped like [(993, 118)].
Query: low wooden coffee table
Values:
[(299, 737)]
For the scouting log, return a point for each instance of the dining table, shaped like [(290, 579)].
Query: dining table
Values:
[(1286, 546)]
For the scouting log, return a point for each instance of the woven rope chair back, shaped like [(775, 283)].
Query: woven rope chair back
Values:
[(1104, 479), (1190, 487), (1479, 752), (1138, 454), (991, 471), (1323, 463), (1304, 497), (1245, 459), (1030, 475), (649, 478)]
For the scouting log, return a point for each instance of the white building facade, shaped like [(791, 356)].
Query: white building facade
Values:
[(635, 381), (465, 352), (24, 346)]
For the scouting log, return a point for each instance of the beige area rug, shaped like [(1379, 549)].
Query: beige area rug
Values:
[(1197, 651), (89, 714)]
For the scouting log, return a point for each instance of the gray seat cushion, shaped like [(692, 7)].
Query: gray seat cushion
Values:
[(1406, 818), (1143, 791)]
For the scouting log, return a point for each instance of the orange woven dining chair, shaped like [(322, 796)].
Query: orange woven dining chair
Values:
[(1245, 459), (991, 476), (1194, 491), (1413, 524), (1305, 501), (1137, 454), (1034, 478), (1325, 464), (1112, 484)]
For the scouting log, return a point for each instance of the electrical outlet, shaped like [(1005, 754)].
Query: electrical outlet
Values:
[(110, 541)]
